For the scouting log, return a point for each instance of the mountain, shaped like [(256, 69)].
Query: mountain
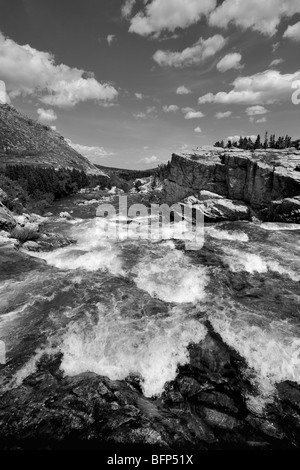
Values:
[(25, 141)]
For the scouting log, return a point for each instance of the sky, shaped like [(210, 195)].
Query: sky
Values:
[(129, 82)]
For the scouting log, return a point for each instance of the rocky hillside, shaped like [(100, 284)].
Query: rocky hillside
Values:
[(236, 184), (24, 141)]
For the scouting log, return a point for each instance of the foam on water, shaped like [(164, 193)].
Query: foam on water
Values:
[(271, 348), (149, 347), (92, 252), (171, 278), (225, 235), (250, 262), (274, 226)]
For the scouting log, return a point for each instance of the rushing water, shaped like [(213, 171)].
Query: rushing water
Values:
[(131, 307)]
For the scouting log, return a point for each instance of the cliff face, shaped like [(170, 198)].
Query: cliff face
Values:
[(24, 141), (268, 181)]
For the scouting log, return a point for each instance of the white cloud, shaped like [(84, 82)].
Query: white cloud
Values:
[(139, 96), (230, 61), (28, 71), (182, 90), (170, 109), (92, 153), (263, 16), (46, 115), (127, 8), (236, 138), (140, 115), (198, 129), (150, 160), (201, 50), (276, 62), (265, 87), (190, 113), (221, 115), (293, 32), (167, 15), (193, 115), (255, 110), (275, 46), (111, 38), (263, 119)]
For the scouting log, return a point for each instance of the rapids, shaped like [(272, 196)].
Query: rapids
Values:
[(131, 307)]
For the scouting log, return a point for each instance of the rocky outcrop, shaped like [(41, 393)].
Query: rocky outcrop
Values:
[(25, 141), (7, 221), (203, 408), (268, 181)]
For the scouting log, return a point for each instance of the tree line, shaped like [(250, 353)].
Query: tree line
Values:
[(246, 143), (36, 187)]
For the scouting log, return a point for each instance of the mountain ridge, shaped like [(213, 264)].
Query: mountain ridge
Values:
[(24, 141)]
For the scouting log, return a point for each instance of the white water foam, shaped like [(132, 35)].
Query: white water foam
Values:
[(271, 349), (274, 226), (92, 252), (171, 278), (243, 261), (149, 347), (221, 234)]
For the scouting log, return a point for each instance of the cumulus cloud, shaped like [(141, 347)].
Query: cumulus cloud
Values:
[(166, 15), (201, 50), (263, 119), (28, 71), (276, 62), (263, 16), (92, 153), (236, 138), (127, 8), (265, 87), (150, 160), (111, 38), (224, 115), (190, 113), (182, 90), (140, 115), (46, 115), (230, 61), (170, 109), (139, 96), (198, 129), (254, 110), (293, 32)]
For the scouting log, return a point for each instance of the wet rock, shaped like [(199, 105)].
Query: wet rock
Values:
[(219, 419), (285, 210), (65, 215), (218, 400), (31, 246), (3, 195), (7, 221)]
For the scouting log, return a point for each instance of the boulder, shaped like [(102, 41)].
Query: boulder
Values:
[(7, 221), (3, 195), (65, 215), (284, 210), (31, 246)]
